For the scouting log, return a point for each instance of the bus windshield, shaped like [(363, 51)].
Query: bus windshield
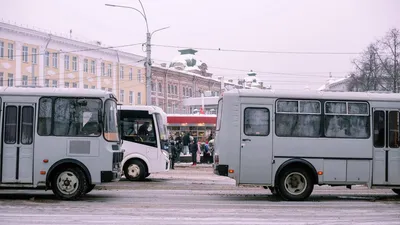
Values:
[(162, 130), (110, 121)]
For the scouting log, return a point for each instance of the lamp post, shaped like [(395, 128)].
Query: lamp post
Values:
[(148, 48)]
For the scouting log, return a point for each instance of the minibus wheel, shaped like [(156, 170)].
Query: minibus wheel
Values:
[(69, 183), (397, 191), (295, 184), (134, 170), (90, 188)]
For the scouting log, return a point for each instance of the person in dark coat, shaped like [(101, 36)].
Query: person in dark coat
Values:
[(174, 154), (194, 147), (186, 142)]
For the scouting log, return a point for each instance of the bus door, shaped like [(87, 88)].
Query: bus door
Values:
[(256, 144), (17, 140), (386, 144)]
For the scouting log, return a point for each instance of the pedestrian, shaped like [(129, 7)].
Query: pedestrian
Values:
[(186, 142), (194, 148), (174, 154)]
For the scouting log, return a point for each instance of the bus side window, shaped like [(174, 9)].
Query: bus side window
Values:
[(256, 121)]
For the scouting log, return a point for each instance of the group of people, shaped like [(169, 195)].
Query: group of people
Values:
[(190, 144)]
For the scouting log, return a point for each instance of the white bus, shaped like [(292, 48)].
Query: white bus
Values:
[(63, 139), (289, 141), (145, 141)]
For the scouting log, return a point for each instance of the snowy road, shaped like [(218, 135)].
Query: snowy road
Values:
[(195, 196)]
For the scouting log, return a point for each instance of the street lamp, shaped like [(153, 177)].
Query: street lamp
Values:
[(148, 48)]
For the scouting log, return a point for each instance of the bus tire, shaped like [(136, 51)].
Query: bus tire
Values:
[(148, 174), (295, 184), (135, 170), (90, 188), (69, 183), (397, 191)]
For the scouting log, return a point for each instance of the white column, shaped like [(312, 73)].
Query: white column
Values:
[(114, 79), (98, 71), (41, 66), (61, 71), (80, 60), (18, 63)]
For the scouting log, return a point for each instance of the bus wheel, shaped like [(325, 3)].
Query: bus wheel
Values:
[(397, 191), (90, 188), (69, 183), (134, 170), (295, 184)]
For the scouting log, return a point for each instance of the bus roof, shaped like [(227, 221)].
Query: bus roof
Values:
[(311, 94), (150, 108), (46, 91)]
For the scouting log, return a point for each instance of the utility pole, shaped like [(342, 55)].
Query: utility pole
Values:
[(148, 48), (148, 69)]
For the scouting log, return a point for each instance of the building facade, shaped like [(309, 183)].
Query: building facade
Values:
[(184, 78), (30, 57)]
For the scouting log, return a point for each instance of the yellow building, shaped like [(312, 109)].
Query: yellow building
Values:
[(30, 57)]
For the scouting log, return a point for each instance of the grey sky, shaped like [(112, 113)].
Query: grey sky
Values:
[(284, 25)]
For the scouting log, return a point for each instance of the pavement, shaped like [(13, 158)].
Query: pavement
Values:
[(194, 195)]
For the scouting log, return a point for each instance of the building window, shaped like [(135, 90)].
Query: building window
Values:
[(10, 51), (121, 96), (103, 88), (66, 62), (25, 80), (86, 86), (176, 89), (85, 65), (139, 98), (130, 74), (24, 53), (93, 67), (110, 90), (54, 83), (1, 79), (190, 92), (74, 63), (47, 59), (1, 49), (139, 75), (121, 72), (74, 85), (55, 60), (34, 55), (102, 69), (153, 87), (109, 70), (34, 82), (131, 97), (10, 79), (93, 87), (47, 83), (160, 87), (169, 88), (66, 84)]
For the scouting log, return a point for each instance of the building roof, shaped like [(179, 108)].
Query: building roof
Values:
[(333, 83)]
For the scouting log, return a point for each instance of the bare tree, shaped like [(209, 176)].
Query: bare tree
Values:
[(388, 56), (367, 75)]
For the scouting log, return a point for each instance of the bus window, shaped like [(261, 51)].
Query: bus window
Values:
[(162, 129), (393, 129), (219, 115), (138, 128), (379, 129), (111, 131), (256, 121)]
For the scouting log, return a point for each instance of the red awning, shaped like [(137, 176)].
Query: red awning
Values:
[(191, 119)]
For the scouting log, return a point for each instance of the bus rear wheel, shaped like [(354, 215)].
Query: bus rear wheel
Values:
[(397, 191), (69, 183), (134, 170), (295, 184)]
